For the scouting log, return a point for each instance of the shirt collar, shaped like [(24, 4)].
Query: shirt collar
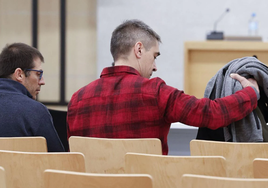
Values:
[(119, 69), (9, 85)]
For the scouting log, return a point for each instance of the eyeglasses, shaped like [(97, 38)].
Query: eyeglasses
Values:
[(40, 71)]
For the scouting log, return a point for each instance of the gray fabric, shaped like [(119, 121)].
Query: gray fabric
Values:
[(248, 129)]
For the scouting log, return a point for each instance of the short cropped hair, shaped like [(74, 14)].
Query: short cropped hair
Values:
[(17, 55), (126, 35)]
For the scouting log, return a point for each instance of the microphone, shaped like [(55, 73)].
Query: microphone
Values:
[(215, 24), (214, 35)]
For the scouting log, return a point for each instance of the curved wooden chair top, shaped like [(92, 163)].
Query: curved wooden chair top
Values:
[(2, 178), (26, 144), (106, 155), (200, 181), (25, 169), (167, 170), (67, 179), (239, 156), (260, 168)]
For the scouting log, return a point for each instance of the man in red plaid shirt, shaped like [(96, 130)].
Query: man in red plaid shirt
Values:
[(125, 103)]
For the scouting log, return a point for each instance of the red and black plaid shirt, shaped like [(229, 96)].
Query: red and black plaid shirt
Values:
[(122, 104)]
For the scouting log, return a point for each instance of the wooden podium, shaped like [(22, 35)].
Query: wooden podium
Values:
[(202, 60)]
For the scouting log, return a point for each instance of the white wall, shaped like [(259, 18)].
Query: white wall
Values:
[(176, 21)]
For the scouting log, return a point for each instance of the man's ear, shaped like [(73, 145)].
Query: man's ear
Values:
[(138, 49), (18, 75)]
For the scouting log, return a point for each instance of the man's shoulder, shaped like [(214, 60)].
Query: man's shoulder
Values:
[(157, 80), (121, 84), (24, 101), (149, 86), (154, 82), (34, 105)]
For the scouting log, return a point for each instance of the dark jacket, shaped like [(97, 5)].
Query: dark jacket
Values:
[(20, 115)]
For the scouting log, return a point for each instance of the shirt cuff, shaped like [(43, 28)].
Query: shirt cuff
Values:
[(257, 93)]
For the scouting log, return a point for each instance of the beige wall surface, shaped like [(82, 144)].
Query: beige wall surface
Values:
[(15, 22), (16, 26), (49, 46), (81, 40)]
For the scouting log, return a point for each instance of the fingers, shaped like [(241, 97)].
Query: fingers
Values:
[(237, 77), (245, 82)]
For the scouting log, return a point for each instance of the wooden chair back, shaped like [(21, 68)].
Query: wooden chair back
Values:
[(200, 181), (67, 179), (260, 168), (26, 144), (239, 156), (2, 178), (25, 169), (105, 155), (167, 170)]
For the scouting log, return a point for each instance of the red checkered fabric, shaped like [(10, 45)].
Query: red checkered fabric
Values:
[(122, 104)]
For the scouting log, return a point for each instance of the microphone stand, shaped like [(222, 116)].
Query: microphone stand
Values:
[(217, 35)]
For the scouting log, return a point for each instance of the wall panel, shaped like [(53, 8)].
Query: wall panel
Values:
[(15, 22), (49, 46), (81, 39)]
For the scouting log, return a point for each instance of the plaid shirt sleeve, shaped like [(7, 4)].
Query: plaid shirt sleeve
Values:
[(205, 112), (122, 104)]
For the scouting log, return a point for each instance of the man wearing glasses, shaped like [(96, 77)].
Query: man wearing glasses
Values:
[(21, 78)]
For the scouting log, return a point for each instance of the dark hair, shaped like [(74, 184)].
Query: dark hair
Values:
[(127, 34), (17, 55)]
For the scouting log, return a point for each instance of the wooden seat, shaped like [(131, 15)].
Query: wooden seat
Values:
[(26, 144), (25, 169), (67, 179), (200, 181), (239, 156), (2, 178), (260, 168), (105, 155), (167, 170)]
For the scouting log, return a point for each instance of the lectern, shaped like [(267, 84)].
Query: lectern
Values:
[(202, 60)]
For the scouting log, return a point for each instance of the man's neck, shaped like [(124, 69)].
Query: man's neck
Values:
[(122, 62), (130, 61)]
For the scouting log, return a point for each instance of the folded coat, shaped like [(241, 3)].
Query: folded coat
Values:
[(250, 128)]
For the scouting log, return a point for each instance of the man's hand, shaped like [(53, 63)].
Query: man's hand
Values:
[(245, 82)]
